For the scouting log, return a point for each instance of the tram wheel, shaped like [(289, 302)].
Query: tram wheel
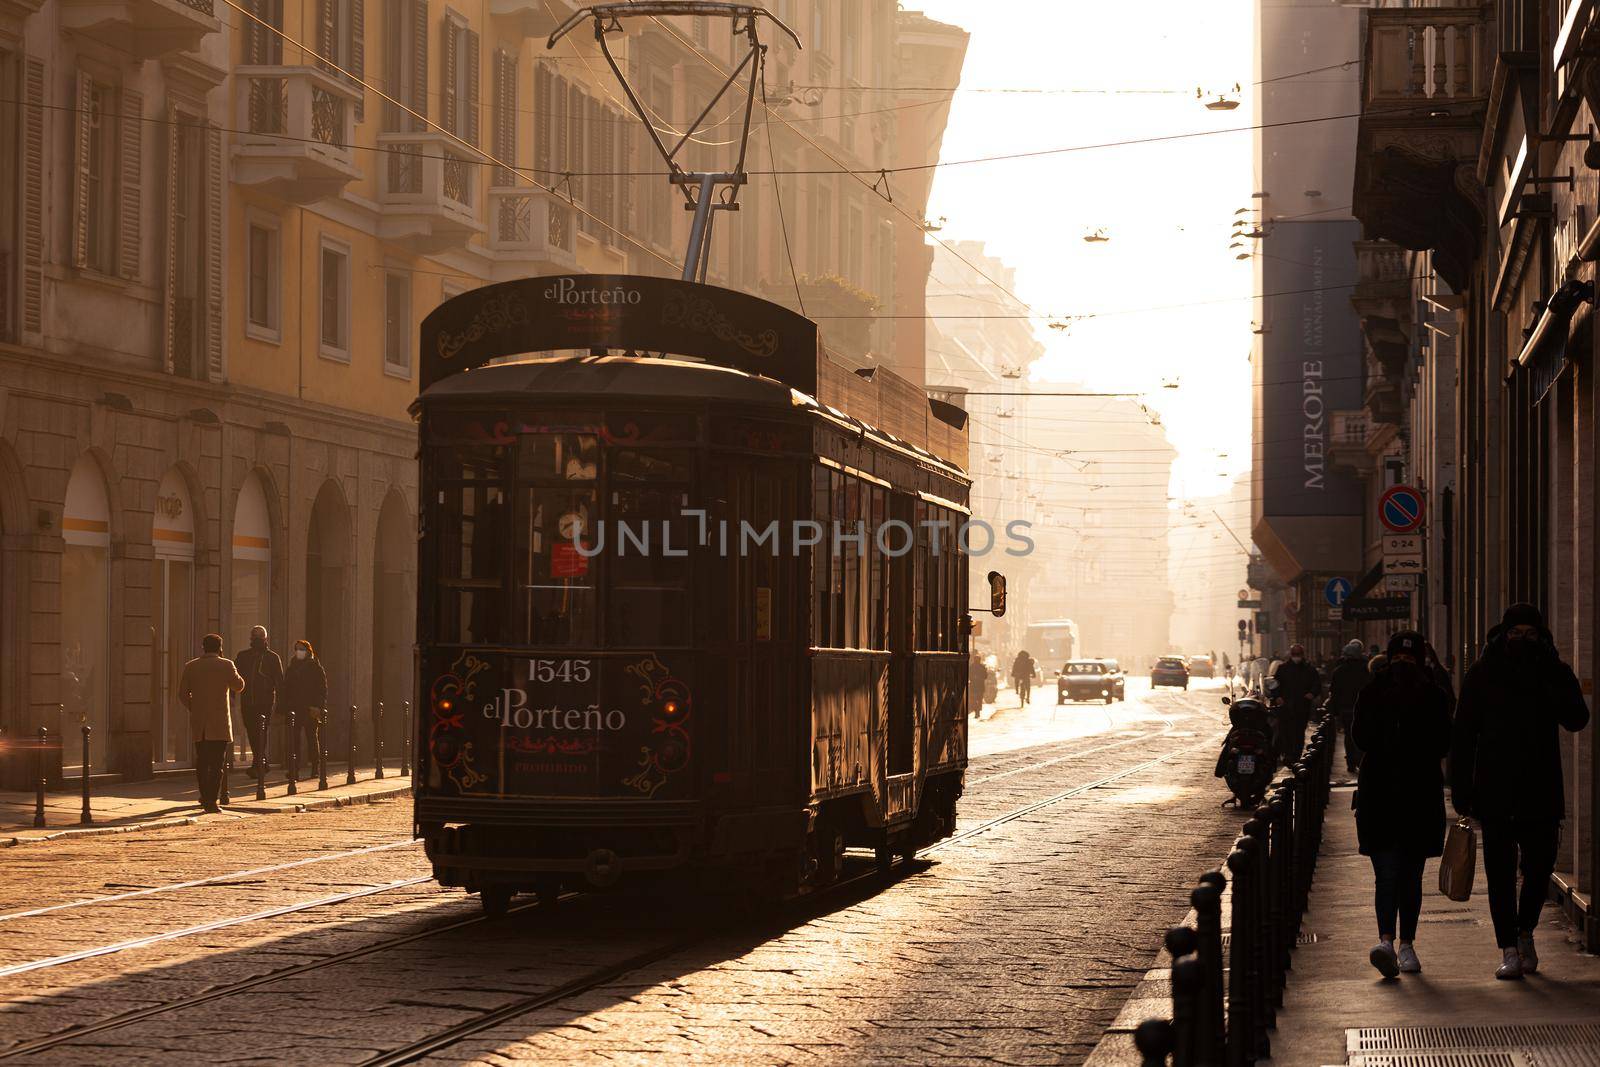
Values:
[(885, 858), (496, 900)]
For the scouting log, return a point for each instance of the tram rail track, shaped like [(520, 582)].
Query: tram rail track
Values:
[(488, 1020)]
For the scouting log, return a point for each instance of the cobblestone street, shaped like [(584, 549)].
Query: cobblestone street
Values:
[(1016, 941)]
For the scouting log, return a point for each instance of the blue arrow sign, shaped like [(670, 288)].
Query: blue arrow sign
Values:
[(1337, 591)]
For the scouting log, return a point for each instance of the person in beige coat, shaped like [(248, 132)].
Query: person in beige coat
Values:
[(207, 683)]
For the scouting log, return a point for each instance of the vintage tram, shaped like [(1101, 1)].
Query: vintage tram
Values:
[(674, 614)]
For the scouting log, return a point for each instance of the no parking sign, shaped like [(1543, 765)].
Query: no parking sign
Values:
[(1400, 509)]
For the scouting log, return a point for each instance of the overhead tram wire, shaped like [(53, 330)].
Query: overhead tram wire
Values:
[(491, 158)]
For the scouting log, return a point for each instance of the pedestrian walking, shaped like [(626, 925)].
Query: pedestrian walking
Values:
[(977, 681), (1401, 723), (1505, 771), (305, 692), (1300, 685), (1022, 672), (1349, 677), (204, 688), (262, 671)]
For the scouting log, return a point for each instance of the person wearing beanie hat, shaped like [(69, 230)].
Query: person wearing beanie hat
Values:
[(1505, 771), (1349, 677), (1402, 724)]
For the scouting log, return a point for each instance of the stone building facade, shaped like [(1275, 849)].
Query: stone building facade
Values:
[(221, 224)]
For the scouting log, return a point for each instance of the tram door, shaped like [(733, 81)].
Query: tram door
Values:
[(754, 620), (901, 710)]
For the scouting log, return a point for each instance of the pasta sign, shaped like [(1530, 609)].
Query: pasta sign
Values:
[(619, 312)]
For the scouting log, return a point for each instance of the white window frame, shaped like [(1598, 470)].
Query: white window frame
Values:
[(272, 225), (406, 370), (338, 353)]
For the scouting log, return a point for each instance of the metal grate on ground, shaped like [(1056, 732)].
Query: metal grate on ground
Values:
[(1519, 1045), (1304, 937)]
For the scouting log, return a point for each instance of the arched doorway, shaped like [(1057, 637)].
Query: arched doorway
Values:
[(86, 606), (327, 600), (394, 601), (171, 617)]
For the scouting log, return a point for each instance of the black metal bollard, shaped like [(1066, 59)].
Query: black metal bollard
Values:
[(1153, 1039), (1186, 978), (294, 754), (39, 776), (350, 766), (322, 748), (1261, 940), (86, 818), (1210, 1025), (227, 768), (405, 745), (377, 740), (1240, 1028), (261, 761)]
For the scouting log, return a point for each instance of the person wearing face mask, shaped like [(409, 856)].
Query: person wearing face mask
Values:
[(305, 692), (263, 677), (1505, 771), (1350, 677), (1402, 727), (1300, 684)]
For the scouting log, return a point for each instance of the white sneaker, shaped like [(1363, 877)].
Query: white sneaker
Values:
[(1510, 969), (1409, 964), (1382, 957), (1525, 951)]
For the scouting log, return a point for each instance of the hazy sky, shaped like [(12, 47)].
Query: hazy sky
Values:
[(1166, 207)]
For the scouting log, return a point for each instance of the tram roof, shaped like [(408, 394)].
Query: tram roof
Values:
[(609, 378)]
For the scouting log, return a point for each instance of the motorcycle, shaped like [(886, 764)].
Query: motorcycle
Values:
[(1249, 759)]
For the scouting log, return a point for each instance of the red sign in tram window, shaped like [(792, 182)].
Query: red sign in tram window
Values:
[(566, 561)]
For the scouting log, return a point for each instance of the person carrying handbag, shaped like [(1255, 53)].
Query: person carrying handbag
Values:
[(305, 692), (1402, 726), (1505, 771)]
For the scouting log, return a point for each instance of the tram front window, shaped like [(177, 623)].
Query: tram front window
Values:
[(471, 535), (555, 581)]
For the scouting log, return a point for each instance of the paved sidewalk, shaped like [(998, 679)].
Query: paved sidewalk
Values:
[(1333, 988), (170, 800)]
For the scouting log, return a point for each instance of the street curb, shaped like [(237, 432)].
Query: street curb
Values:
[(319, 804), (1150, 999)]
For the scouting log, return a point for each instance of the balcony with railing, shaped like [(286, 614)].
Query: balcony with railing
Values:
[(428, 190), (148, 29), (1424, 95), (532, 231), (1347, 440), (298, 126)]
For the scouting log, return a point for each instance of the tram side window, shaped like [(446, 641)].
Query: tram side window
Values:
[(471, 534), (822, 559), (647, 532), (848, 573), (937, 569)]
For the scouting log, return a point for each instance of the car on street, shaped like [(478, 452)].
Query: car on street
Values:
[(1202, 667), (1119, 679), (1084, 679), (1170, 670)]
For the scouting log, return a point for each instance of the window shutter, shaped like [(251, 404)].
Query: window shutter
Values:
[(358, 53), (626, 147), (80, 172), (595, 118), (543, 128), (505, 116), (608, 164), (577, 109), (419, 64), (130, 209), (471, 133), (255, 36), (559, 161), (447, 78), (33, 200), (170, 297), (327, 33), (395, 60), (213, 271)]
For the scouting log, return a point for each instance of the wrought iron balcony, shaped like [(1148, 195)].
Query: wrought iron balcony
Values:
[(299, 124), (149, 29), (1424, 94), (532, 230), (429, 191)]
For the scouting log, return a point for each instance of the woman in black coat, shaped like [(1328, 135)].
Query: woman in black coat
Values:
[(1402, 725), (305, 692)]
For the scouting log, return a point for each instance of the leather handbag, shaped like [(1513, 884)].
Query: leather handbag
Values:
[(1460, 860)]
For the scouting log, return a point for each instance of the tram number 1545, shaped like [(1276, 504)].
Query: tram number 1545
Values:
[(559, 670)]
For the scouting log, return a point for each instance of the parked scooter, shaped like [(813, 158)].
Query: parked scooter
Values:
[(1248, 760)]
